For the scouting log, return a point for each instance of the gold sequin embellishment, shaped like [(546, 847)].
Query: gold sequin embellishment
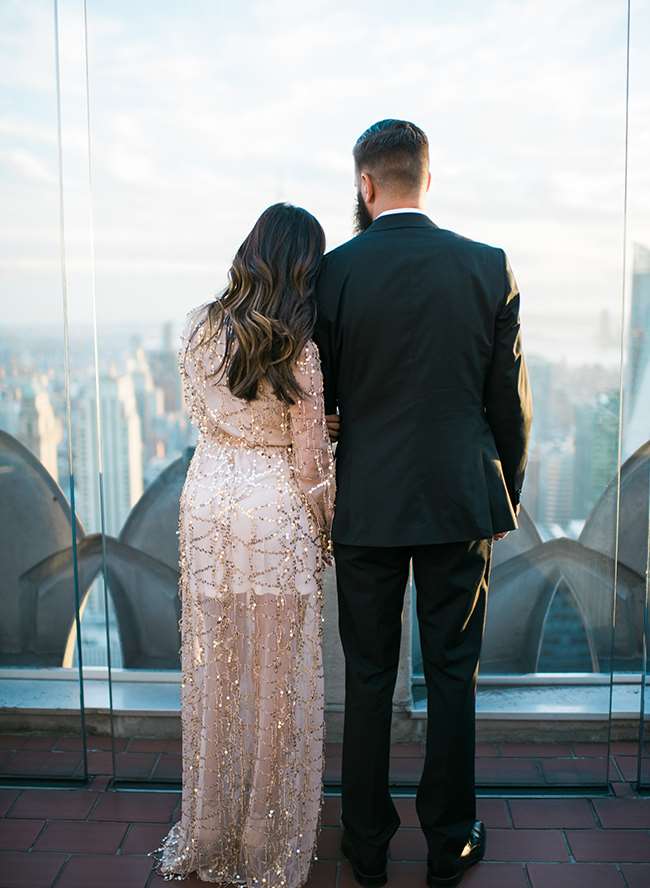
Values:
[(254, 520)]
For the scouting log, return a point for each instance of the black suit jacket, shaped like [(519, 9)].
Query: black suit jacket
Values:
[(419, 338)]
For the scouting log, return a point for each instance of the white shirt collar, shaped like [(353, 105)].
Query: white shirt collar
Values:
[(400, 210)]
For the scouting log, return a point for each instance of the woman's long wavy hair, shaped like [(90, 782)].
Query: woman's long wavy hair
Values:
[(268, 310)]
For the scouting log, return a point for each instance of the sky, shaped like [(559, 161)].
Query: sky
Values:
[(203, 113)]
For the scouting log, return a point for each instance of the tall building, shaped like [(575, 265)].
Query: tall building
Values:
[(639, 329), (149, 401), (164, 369), (555, 491), (636, 428), (122, 452), (27, 413), (596, 450), (38, 427)]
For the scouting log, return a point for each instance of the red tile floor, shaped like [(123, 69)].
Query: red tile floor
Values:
[(94, 838)]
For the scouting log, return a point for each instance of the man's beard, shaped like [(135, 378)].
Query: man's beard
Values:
[(362, 218)]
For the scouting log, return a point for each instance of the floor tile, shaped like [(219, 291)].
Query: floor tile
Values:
[(168, 767), (625, 747), (39, 741), (637, 875), (39, 762), (153, 807), (508, 770), (617, 845), (74, 804), (575, 875), (526, 845), (23, 870), (127, 765), (631, 813), (98, 871), (93, 741), (575, 771), (407, 750), (81, 836), (556, 813), (7, 798), (627, 765), (331, 815), (99, 782), (12, 741), (400, 875), (170, 747), (536, 750), (141, 838), (496, 875), (19, 835), (332, 770), (406, 770), (494, 812), (329, 843), (323, 874), (590, 749), (406, 810), (408, 844)]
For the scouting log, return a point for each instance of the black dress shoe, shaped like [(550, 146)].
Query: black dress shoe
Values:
[(450, 868), (371, 871)]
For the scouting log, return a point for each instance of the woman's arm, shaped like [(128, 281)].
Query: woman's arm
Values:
[(312, 453)]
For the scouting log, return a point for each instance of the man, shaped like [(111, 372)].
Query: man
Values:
[(418, 331)]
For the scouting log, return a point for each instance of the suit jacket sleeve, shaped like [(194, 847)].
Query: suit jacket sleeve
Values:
[(508, 403), (325, 336)]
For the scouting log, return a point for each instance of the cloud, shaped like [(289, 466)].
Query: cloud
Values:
[(201, 119), (26, 165)]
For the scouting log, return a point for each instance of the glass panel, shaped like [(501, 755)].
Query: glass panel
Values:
[(549, 187), (41, 716), (201, 120), (635, 499)]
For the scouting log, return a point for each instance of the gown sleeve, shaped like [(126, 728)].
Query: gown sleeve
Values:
[(313, 459), (190, 364)]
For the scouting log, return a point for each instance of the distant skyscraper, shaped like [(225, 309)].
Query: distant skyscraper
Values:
[(636, 429), (149, 402), (167, 336), (38, 428), (122, 453), (164, 368), (639, 330), (555, 494), (596, 451)]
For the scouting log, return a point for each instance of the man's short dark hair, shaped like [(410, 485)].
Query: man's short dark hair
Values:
[(394, 152)]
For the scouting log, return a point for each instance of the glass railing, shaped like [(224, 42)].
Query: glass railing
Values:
[(176, 129)]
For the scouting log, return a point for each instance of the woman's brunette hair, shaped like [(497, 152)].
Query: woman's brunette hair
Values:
[(268, 309)]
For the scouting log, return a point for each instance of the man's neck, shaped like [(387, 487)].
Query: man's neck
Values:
[(404, 203), (398, 210)]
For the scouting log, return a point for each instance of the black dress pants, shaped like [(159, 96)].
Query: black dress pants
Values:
[(451, 580)]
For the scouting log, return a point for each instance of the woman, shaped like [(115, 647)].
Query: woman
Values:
[(255, 515)]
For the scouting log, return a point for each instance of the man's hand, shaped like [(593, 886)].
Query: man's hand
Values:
[(502, 536), (333, 426)]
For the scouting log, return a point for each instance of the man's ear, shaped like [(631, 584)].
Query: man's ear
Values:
[(367, 188), (428, 181)]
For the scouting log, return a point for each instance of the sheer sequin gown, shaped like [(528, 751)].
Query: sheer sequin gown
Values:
[(255, 513)]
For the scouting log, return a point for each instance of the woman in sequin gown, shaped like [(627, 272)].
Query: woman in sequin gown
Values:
[(254, 522)]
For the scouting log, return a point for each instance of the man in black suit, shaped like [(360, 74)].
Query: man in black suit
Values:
[(419, 337)]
